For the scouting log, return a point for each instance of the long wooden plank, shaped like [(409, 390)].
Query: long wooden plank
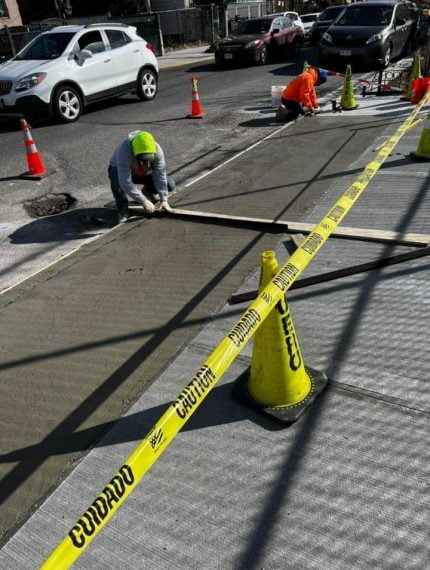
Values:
[(362, 234), (331, 275)]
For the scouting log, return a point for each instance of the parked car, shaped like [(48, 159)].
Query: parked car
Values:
[(307, 21), (373, 32), (64, 69), (293, 16), (258, 40), (323, 22)]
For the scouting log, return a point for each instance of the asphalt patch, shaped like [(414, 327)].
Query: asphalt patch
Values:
[(49, 205)]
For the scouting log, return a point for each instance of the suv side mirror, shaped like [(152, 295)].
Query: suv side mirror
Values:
[(400, 21), (275, 31)]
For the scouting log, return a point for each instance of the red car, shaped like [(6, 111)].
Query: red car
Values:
[(258, 40)]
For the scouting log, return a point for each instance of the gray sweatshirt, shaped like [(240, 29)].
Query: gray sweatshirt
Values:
[(123, 158)]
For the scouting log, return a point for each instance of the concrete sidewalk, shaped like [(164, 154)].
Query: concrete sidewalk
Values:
[(187, 56), (344, 487)]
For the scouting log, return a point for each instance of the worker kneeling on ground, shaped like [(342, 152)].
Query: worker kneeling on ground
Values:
[(139, 160), (299, 96)]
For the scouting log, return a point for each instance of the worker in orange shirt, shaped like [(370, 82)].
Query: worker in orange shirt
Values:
[(299, 96)]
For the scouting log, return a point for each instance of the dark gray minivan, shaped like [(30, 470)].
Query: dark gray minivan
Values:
[(373, 32)]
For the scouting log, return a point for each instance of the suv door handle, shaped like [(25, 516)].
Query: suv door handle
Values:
[(135, 51), (107, 60)]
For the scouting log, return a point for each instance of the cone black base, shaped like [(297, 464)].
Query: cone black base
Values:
[(284, 414), (419, 158)]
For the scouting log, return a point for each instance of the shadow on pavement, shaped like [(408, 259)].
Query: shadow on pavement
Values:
[(218, 408), (74, 224), (68, 425)]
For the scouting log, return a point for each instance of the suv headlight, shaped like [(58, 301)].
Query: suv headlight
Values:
[(375, 38), (30, 81), (327, 38), (252, 44)]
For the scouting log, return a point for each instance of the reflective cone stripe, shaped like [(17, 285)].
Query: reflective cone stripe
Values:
[(278, 375), (347, 101), (34, 160), (423, 149)]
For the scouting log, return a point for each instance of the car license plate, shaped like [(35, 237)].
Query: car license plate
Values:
[(345, 52), (228, 56)]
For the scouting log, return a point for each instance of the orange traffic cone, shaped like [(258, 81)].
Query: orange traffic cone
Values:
[(36, 168), (196, 107)]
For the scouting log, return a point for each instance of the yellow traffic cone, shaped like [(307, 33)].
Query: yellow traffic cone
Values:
[(422, 153), (414, 74), (278, 383), (347, 100)]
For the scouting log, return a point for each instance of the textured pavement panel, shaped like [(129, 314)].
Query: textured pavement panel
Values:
[(344, 487)]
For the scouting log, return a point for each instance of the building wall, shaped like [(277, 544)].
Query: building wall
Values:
[(9, 13)]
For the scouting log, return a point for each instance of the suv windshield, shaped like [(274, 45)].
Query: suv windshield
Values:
[(331, 13), (46, 46), (253, 26), (366, 16)]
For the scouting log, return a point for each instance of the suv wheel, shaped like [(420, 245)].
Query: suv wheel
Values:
[(147, 85), (264, 55), (386, 58), (67, 104)]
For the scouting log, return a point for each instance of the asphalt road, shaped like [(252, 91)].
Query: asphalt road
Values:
[(84, 338)]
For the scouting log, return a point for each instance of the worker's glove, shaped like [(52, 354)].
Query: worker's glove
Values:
[(148, 206), (317, 110), (164, 206)]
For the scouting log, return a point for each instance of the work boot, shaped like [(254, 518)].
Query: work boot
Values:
[(281, 113), (122, 217)]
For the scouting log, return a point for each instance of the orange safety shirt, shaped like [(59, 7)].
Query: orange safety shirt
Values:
[(302, 89)]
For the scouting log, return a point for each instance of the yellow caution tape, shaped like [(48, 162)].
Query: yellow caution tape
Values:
[(179, 412)]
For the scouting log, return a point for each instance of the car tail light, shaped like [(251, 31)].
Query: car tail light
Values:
[(150, 46)]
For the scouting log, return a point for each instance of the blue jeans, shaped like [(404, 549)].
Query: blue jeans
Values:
[(120, 196)]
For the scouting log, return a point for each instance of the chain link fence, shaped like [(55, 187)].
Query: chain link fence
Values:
[(168, 28)]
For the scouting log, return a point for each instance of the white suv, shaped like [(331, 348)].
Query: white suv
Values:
[(294, 17), (64, 69)]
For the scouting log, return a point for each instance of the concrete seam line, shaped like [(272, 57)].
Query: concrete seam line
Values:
[(189, 399), (237, 155)]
